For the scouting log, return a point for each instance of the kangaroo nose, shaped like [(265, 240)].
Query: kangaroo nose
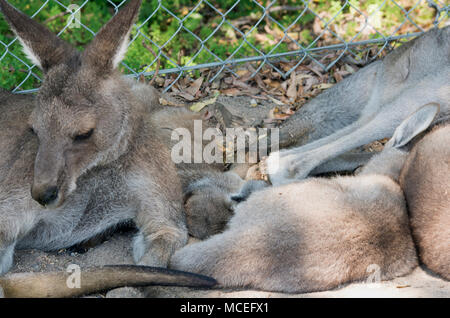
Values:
[(46, 197)]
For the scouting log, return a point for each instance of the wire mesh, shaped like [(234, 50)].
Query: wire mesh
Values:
[(219, 35)]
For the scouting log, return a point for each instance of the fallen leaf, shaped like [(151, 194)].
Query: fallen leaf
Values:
[(263, 96), (315, 70), (275, 101), (193, 89), (186, 96), (323, 86), (200, 105), (228, 80), (166, 102), (284, 86), (292, 90), (272, 84), (285, 100), (231, 92), (300, 77), (338, 77), (242, 73), (262, 38), (309, 83), (276, 114), (260, 82)]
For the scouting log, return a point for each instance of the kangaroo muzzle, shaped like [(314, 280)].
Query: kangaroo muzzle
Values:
[(46, 184)]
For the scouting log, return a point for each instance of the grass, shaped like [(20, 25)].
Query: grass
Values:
[(206, 32)]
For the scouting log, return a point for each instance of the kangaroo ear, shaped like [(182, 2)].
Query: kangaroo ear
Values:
[(416, 123), (41, 46), (110, 44)]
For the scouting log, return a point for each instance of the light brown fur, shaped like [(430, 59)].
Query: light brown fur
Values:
[(54, 284), (317, 234), (425, 180), (93, 160)]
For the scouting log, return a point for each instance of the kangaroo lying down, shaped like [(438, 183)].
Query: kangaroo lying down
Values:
[(425, 180), (91, 158), (319, 233), (364, 107)]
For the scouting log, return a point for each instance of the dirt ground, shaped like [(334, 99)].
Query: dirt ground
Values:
[(117, 250)]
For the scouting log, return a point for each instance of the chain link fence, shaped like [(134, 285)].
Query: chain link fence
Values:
[(177, 38)]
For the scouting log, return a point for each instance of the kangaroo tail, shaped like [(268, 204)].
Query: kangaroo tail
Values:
[(96, 279)]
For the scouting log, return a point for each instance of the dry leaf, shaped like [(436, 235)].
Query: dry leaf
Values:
[(292, 90), (263, 96), (284, 86), (186, 96), (275, 114), (228, 80), (323, 86), (260, 82), (338, 77), (200, 105), (272, 84), (194, 88), (242, 73), (166, 102), (309, 83), (300, 77), (231, 92), (315, 70), (275, 101)]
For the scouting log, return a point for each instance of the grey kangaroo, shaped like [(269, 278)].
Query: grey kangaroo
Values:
[(317, 234), (425, 180), (364, 107), (83, 156)]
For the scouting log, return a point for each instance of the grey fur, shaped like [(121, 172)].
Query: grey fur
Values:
[(210, 201), (121, 171), (365, 107), (248, 188), (317, 234), (209, 205), (425, 180)]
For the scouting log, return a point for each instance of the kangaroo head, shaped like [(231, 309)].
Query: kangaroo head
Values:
[(83, 107)]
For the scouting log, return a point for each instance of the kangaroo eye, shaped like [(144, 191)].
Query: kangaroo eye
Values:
[(31, 130), (83, 137)]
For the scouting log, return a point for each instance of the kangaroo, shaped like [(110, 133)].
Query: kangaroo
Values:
[(364, 107), (317, 234), (207, 208), (425, 181), (210, 201), (86, 148), (54, 284)]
